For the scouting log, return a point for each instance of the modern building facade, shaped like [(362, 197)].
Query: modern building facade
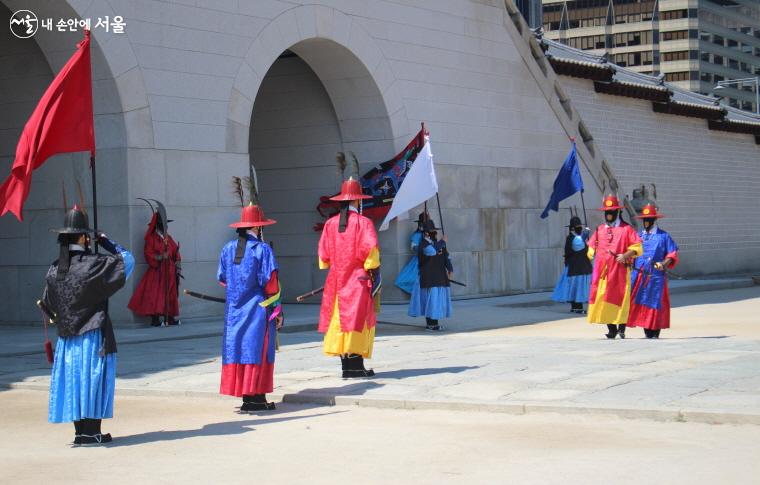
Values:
[(694, 44), (191, 95)]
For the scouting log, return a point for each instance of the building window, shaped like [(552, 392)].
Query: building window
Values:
[(675, 35), (731, 43), (717, 59), (674, 14), (705, 57), (717, 40), (675, 56), (706, 77), (705, 36), (677, 76), (733, 64), (718, 78), (587, 42), (633, 38), (746, 48), (748, 106)]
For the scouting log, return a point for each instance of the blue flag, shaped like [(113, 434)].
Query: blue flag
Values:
[(567, 183)]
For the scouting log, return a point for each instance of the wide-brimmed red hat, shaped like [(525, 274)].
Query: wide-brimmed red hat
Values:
[(610, 203), (350, 189), (649, 212), (252, 216)]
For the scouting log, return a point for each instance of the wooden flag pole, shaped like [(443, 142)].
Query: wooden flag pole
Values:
[(94, 203)]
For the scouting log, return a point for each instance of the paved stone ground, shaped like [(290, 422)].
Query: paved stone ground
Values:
[(704, 369), (159, 439)]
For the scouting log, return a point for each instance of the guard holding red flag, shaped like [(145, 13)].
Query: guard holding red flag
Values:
[(650, 304), (157, 293), (252, 313), (612, 246), (349, 249)]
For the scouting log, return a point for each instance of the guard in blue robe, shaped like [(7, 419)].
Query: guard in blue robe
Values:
[(252, 315), (650, 302)]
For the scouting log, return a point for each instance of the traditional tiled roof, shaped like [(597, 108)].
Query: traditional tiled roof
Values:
[(612, 79)]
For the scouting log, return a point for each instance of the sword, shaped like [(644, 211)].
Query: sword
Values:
[(201, 296), (216, 299), (457, 283), (317, 291), (49, 314)]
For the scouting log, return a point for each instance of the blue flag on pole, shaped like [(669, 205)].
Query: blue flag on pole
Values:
[(567, 183)]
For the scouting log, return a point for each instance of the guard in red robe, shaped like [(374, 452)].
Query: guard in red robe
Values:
[(349, 249), (157, 293), (613, 246)]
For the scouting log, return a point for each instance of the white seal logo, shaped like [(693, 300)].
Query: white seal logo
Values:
[(24, 24)]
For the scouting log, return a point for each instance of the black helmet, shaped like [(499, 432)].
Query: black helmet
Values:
[(575, 221), (429, 226), (75, 222)]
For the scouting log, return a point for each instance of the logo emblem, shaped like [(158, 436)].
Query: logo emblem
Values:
[(646, 211), (608, 203), (24, 24)]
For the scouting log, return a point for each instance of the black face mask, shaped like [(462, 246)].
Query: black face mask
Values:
[(611, 216), (648, 223)]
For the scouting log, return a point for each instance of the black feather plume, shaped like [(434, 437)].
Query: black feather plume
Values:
[(340, 158), (237, 189), (354, 166)]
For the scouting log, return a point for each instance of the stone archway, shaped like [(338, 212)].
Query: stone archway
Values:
[(313, 83)]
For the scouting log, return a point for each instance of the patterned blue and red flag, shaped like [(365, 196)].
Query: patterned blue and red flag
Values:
[(381, 182)]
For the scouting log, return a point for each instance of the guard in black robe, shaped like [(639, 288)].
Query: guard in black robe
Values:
[(76, 294)]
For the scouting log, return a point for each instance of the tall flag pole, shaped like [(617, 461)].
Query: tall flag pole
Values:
[(62, 122), (567, 183)]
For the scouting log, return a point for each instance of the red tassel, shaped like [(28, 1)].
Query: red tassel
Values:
[(49, 351)]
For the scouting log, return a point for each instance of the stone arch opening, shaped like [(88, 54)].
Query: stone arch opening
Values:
[(316, 99)]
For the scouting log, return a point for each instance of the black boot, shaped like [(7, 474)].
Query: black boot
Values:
[(91, 433), (576, 307), (612, 331), (344, 365), (355, 367), (647, 333), (432, 325), (77, 432), (621, 330), (656, 333), (256, 402), (154, 321)]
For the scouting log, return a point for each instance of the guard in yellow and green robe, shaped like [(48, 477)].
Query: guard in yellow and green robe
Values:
[(612, 246), (348, 248)]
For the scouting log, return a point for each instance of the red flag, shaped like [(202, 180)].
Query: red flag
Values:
[(62, 122)]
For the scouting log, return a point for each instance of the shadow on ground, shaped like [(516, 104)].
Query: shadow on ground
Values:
[(214, 429)]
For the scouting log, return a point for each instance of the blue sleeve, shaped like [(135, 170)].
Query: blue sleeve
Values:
[(115, 248), (670, 245), (222, 270), (416, 238), (129, 261), (429, 250), (267, 264)]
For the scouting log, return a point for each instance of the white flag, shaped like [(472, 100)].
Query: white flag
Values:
[(419, 185)]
